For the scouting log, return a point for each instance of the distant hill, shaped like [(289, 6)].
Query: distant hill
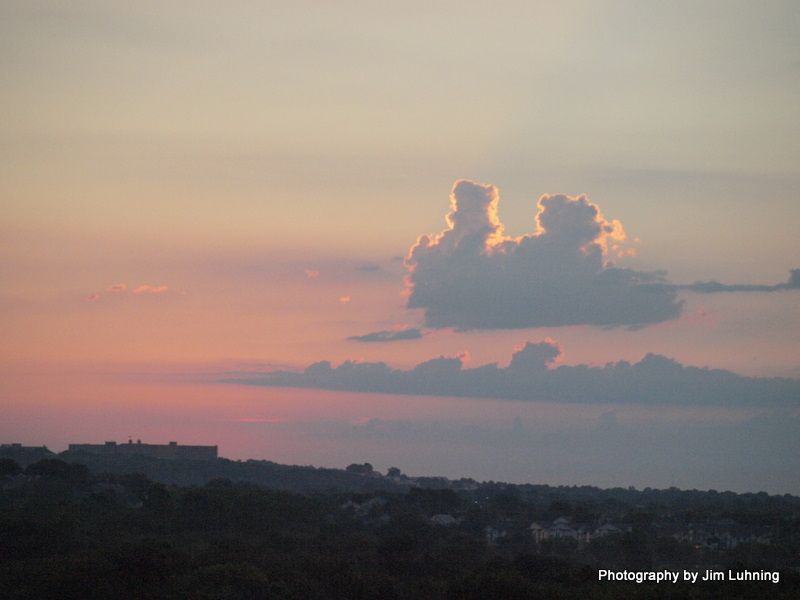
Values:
[(361, 478)]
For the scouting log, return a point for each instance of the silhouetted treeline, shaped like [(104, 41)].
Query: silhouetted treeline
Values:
[(69, 531)]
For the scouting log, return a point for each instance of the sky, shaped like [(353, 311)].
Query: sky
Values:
[(521, 241)]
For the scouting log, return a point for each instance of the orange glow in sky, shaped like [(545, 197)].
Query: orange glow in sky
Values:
[(254, 187)]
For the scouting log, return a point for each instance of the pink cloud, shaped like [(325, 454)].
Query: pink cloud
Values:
[(118, 288), (149, 289)]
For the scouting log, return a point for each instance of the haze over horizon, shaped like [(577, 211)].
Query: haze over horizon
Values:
[(520, 241)]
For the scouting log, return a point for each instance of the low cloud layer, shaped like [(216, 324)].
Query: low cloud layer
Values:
[(472, 276), (532, 375)]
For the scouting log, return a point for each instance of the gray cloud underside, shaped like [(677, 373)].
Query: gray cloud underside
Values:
[(655, 380), (388, 336)]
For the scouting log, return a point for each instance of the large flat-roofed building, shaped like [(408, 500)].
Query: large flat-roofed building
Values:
[(25, 455), (168, 451)]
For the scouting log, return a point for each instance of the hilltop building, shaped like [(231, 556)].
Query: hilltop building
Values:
[(25, 455), (168, 451)]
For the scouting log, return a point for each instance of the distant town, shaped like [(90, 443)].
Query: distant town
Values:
[(578, 513), (542, 537)]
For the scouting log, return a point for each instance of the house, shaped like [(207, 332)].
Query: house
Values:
[(561, 528), (444, 520)]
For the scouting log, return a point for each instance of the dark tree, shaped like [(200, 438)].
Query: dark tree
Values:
[(9, 468)]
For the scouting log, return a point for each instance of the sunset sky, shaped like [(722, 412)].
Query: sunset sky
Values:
[(209, 208)]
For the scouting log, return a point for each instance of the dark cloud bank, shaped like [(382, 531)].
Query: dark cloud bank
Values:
[(472, 276), (654, 380)]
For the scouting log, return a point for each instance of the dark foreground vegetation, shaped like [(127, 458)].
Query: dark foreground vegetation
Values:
[(68, 531)]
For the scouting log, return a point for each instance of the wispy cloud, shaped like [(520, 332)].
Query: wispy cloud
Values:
[(411, 333), (713, 287), (149, 289), (255, 420), (532, 374), (122, 288)]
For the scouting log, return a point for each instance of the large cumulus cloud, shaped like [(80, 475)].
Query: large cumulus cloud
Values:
[(532, 374), (473, 276)]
